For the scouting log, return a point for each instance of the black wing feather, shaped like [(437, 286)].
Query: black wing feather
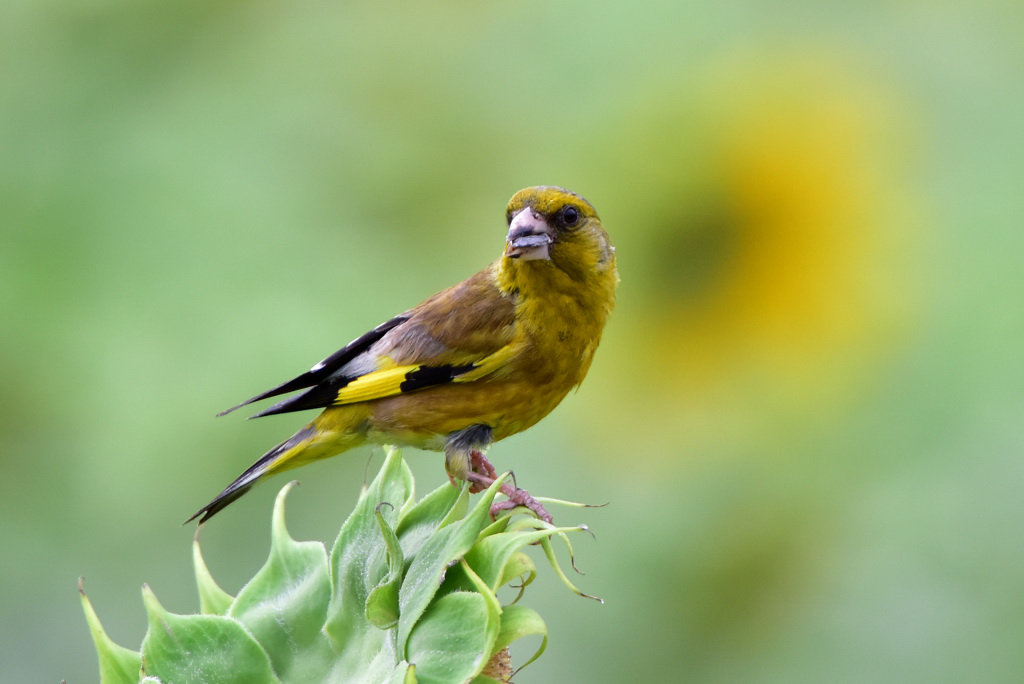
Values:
[(431, 376), (323, 370), (319, 396), (325, 394)]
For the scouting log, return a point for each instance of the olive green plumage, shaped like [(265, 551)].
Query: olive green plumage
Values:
[(476, 363)]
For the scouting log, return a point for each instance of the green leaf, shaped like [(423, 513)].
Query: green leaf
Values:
[(212, 599), (549, 551), (118, 665), (357, 559), (520, 621), (521, 567), (382, 603), (529, 531), (451, 643), (427, 570), (493, 606), (490, 556), (284, 605), (358, 564), (439, 508), (497, 560), (201, 648)]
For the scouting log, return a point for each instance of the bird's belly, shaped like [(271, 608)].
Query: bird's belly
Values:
[(425, 419)]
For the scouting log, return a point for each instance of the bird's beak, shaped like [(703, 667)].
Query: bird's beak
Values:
[(529, 236)]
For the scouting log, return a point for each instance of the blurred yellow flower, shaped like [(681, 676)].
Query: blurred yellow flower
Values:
[(771, 233)]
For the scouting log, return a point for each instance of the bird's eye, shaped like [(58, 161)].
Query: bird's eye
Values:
[(570, 215)]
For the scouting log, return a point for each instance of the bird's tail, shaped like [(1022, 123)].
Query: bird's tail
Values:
[(308, 444)]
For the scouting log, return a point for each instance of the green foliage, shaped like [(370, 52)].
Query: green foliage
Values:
[(407, 595)]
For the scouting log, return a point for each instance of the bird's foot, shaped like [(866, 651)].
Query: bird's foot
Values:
[(482, 475), (519, 497)]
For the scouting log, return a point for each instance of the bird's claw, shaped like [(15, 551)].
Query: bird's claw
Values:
[(519, 497), (482, 475)]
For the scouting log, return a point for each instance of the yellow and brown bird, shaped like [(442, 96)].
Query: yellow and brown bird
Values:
[(473, 364)]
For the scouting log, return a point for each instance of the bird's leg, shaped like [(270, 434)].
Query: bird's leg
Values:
[(479, 464), (465, 460), (462, 454)]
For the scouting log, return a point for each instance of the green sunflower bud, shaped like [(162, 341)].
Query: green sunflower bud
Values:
[(407, 595)]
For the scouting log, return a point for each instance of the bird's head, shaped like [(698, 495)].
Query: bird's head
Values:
[(555, 227)]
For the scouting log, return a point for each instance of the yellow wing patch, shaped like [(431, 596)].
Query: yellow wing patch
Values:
[(487, 365), (375, 385), (388, 381)]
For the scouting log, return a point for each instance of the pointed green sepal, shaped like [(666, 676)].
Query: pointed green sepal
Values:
[(285, 604), (197, 648), (518, 622), (382, 603), (212, 599), (118, 665)]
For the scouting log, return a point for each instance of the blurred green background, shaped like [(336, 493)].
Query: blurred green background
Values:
[(807, 411)]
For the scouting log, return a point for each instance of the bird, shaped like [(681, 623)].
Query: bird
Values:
[(476, 363)]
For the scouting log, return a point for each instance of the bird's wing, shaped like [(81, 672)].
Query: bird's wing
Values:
[(324, 369), (459, 335)]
